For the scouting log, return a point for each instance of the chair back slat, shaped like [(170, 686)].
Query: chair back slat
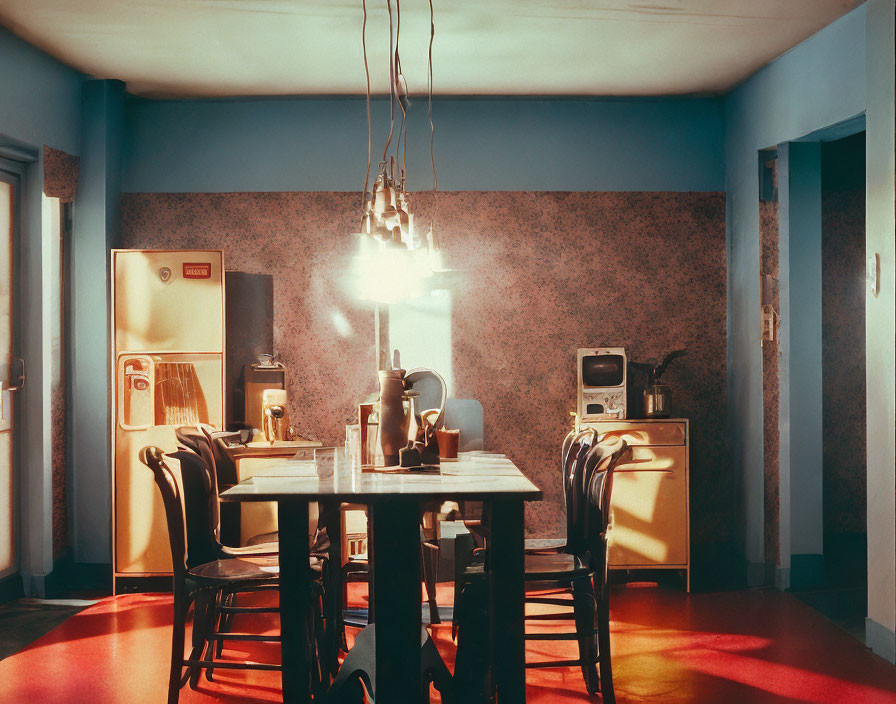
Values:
[(195, 438), (198, 500), (599, 495), (576, 448)]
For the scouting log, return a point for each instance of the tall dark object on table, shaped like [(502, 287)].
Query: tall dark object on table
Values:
[(393, 421), (656, 394), (249, 316)]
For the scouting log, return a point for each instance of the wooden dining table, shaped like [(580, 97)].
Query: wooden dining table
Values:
[(395, 499)]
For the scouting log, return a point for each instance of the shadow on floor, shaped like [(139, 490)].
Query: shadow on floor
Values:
[(843, 598), (23, 621)]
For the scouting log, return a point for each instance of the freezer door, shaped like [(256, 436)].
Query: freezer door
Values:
[(168, 301)]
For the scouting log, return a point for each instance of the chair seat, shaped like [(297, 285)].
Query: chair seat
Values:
[(245, 569), (270, 542), (535, 544), (255, 540), (237, 570), (257, 550), (538, 568), (553, 566)]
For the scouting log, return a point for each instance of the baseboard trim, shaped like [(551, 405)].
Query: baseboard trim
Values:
[(68, 576), (35, 585), (880, 639), (755, 574), (782, 578), (11, 588)]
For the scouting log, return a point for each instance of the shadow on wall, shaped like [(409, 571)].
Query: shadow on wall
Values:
[(542, 275), (843, 335)]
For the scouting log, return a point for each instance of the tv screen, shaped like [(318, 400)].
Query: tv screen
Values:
[(603, 370)]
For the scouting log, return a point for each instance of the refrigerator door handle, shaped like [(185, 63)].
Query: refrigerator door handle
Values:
[(135, 374), (9, 389)]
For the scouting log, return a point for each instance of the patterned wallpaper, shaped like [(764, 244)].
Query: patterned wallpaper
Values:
[(843, 360), (60, 181), (541, 275), (768, 264), (60, 174)]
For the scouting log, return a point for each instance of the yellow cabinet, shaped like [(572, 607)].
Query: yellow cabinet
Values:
[(649, 517)]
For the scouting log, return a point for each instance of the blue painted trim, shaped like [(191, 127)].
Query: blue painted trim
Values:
[(480, 144)]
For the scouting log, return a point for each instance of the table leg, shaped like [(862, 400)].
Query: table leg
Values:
[(371, 561), (396, 579), (332, 521), (295, 596), (505, 555)]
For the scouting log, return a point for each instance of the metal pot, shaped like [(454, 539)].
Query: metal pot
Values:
[(656, 401)]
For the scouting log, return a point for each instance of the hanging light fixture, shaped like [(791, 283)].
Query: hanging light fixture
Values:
[(396, 257)]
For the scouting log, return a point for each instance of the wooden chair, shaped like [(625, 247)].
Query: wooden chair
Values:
[(201, 439), (226, 474), (597, 522), (572, 456), (193, 441), (357, 569), (202, 572), (580, 571)]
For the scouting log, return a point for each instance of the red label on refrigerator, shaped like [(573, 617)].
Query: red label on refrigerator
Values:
[(192, 270)]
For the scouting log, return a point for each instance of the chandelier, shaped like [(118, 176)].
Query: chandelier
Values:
[(397, 257)]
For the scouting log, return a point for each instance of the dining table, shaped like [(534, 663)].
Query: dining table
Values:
[(395, 498)]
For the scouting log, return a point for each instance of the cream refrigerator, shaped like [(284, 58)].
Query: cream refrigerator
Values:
[(167, 371)]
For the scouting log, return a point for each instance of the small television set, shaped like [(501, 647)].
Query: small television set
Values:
[(601, 380)]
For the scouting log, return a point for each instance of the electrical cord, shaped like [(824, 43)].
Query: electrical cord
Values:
[(367, 103), (432, 127), (391, 84)]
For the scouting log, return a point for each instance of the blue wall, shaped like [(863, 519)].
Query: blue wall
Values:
[(40, 101), (496, 144), (96, 229), (819, 83), (40, 98)]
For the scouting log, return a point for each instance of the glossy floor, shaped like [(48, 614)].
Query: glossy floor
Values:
[(724, 648)]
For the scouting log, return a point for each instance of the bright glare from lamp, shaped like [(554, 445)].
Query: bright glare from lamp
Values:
[(391, 274)]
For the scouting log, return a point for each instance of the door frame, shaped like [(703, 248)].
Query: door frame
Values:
[(792, 487)]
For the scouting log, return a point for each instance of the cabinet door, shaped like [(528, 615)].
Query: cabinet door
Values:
[(649, 515)]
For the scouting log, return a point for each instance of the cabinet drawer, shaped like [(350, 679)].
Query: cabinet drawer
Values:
[(634, 433), (649, 508)]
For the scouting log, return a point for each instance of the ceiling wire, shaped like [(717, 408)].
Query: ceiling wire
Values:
[(432, 127), (367, 75), (402, 98), (391, 84)]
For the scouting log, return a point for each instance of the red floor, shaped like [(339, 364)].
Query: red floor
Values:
[(761, 646)]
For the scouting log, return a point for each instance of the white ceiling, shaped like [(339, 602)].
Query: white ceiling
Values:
[(178, 48)]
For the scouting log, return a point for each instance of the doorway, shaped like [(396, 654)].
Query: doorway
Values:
[(844, 481), (12, 374), (816, 499)]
